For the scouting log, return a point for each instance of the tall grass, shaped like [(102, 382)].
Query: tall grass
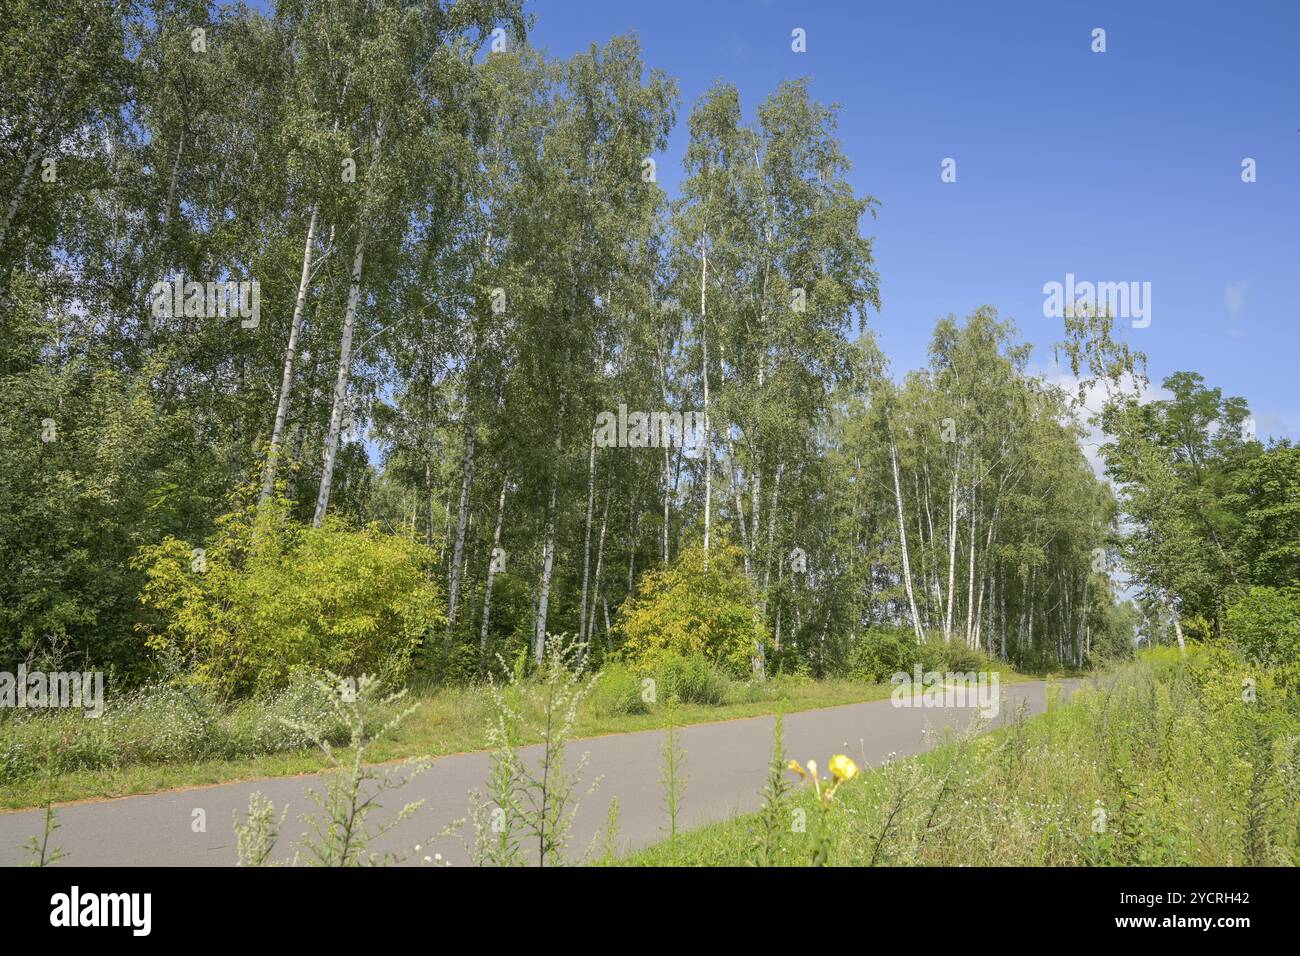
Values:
[(173, 734), (164, 723), (1164, 762)]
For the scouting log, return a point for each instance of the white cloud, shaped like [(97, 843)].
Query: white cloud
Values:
[(1234, 297), (1094, 398), (1271, 424)]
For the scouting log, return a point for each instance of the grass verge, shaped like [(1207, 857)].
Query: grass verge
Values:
[(447, 721), (1166, 762)]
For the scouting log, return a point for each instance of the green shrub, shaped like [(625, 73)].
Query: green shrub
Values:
[(618, 691), (1265, 624), (267, 594), (692, 679), (683, 610), (753, 691), (936, 654), (779, 684), (457, 662), (166, 723), (880, 653), (303, 703)]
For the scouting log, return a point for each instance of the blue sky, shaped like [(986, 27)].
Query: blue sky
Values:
[(1115, 166)]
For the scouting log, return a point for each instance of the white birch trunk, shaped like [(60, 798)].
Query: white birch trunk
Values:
[(600, 563), (491, 571), (340, 384), (462, 522), (1178, 627), (902, 540), (586, 547), (290, 354), (548, 563), (708, 447), (29, 169), (972, 612), (952, 548)]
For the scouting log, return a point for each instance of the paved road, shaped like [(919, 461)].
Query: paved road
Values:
[(726, 764)]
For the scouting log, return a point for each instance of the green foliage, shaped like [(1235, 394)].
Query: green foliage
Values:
[(683, 610), (672, 778), (169, 723), (1264, 496), (957, 500), (441, 662), (691, 679), (337, 831), (772, 820), (1265, 624), (116, 470), (618, 691), (1211, 510), (880, 653), (268, 595), (1172, 760), (1116, 624), (963, 508), (515, 171), (526, 813), (939, 655)]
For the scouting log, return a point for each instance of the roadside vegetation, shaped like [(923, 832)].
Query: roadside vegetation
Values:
[(507, 402), (1163, 762), (175, 734)]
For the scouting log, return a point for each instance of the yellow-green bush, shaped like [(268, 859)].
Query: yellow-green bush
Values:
[(267, 594), (691, 679), (683, 610), (618, 692)]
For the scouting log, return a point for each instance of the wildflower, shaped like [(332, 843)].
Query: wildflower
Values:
[(843, 768)]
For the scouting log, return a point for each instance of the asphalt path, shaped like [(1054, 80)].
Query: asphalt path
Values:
[(726, 765)]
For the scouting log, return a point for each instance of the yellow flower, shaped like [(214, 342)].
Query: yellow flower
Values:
[(843, 768), (794, 766)]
